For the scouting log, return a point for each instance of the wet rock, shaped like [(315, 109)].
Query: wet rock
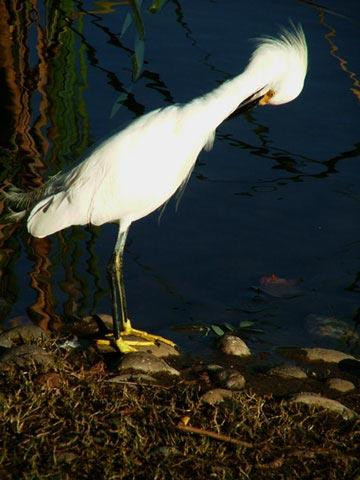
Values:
[(215, 396), (145, 362), (340, 385), (326, 403), (314, 354), (288, 371), (21, 334), (233, 345), (231, 379), (26, 355)]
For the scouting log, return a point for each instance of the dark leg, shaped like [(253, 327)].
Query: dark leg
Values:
[(117, 285), (122, 326)]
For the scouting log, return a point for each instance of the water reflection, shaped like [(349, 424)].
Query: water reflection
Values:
[(56, 61)]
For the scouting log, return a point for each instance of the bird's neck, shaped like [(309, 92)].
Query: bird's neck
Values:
[(213, 108)]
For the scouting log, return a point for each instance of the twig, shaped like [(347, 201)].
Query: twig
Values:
[(217, 436)]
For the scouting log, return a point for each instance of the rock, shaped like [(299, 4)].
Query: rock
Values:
[(26, 355), (326, 403), (232, 345), (314, 354), (145, 362), (133, 377), (21, 334), (288, 371), (161, 350), (340, 385), (92, 325), (215, 396), (231, 379)]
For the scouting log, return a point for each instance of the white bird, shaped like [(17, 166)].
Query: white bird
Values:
[(139, 168)]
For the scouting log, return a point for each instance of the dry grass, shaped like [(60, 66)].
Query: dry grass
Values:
[(70, 423)]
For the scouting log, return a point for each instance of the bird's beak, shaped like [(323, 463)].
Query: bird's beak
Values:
[(256, 98)]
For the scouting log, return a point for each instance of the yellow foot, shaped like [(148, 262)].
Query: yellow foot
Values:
[(125, 345)]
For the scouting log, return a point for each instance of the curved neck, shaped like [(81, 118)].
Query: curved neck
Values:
[(214, 107)]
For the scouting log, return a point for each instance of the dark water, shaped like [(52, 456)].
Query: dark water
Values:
[(278, 194)]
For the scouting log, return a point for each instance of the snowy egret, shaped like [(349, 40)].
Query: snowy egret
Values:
[(139, 168)]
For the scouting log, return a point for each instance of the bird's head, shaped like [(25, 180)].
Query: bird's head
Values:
[(279, 66)]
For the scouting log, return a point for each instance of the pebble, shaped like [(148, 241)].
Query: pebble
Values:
[(21, 334), (231, 379), (233, 345), (326, 403), (215, 396), (340, 385), (288, 371), (145, 362)]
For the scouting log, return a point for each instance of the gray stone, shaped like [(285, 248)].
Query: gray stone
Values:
[(215, 396), (26, 355), (288, 371), (326, 355), (315, 354), (231, 379), (145, 362), (21, 334), (326, 403), (233, 345), (340, 385)]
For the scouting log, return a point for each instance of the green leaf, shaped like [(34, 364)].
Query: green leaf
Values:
[(135, 6), (229, 326), (118, 103), (216, 329), (138, 57), (126, 24), (245, 324)]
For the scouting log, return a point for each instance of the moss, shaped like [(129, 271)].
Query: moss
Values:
[(73, 423)]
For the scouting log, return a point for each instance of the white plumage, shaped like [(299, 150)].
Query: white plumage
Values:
[(136, 170)]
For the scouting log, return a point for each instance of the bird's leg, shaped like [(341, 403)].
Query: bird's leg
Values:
[(121, 324)]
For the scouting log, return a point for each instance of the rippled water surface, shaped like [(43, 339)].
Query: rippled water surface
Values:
[(278, 194)]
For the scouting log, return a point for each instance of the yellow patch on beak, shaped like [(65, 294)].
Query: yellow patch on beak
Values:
[(267, 97)]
